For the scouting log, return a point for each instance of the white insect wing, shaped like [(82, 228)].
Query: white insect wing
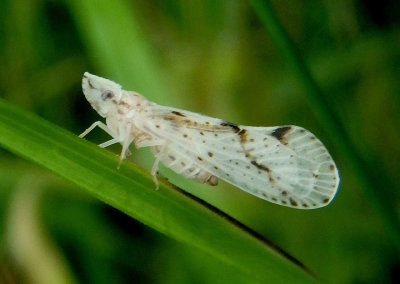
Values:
[(286, 165)]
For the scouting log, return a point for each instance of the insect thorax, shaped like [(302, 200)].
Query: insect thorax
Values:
[(127, 113)]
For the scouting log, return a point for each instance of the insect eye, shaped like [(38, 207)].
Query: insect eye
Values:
[(106, 95)]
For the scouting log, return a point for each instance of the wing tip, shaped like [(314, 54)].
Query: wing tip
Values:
[(306, 203)]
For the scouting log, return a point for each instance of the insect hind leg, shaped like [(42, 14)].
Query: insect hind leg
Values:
[(154, 172)]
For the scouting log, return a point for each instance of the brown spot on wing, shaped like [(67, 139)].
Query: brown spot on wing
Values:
[(178, 113), (280, 132), (243, 136), (264, 168), (261, 167), (231, 125), (292, 202)]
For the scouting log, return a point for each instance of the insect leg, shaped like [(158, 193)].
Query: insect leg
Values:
[(154, 170), (109, 143), (124, 151), (99, 124)]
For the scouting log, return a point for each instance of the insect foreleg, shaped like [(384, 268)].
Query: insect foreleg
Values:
[(109, 143), (99, 124)]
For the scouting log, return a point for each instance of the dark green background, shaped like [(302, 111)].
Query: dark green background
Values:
[(217, 58)]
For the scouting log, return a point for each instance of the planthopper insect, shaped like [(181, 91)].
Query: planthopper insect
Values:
[(286, 165)]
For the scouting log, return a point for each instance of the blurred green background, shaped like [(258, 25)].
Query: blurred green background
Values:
[(217, 58)]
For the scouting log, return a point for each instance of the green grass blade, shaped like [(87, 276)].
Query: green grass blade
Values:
[(117, 46), (368, 174), (132, 191)]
